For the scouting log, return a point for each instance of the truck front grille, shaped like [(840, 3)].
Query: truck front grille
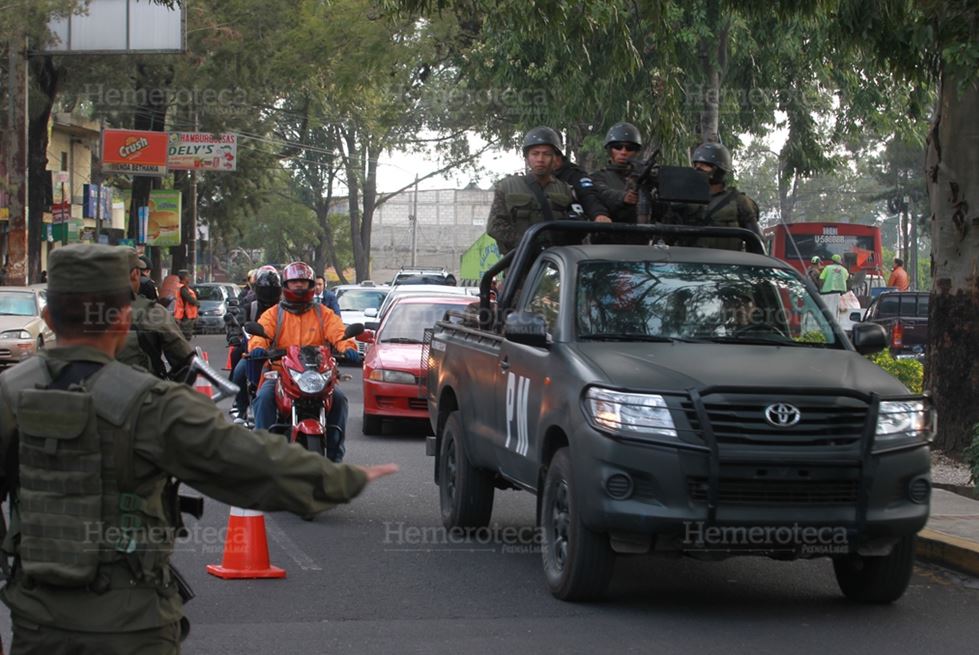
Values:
[(776, 492), (740, 419)]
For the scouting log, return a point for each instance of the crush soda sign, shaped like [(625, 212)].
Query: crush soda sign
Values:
[(136, 152)]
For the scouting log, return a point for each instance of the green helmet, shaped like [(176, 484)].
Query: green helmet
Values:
[(542, 136), (714, 154), (623, 133)]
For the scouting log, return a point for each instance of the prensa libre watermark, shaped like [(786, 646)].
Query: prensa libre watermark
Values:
[(509, 540), (806, 540)]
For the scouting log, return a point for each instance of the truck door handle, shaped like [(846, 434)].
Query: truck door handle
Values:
[(504, 364)]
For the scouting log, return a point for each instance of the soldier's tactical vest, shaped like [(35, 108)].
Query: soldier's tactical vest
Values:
[(725, 210), (77, 506), (522, 205)]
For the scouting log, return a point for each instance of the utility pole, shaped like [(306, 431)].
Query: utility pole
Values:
[(414, 221), (192, 242)]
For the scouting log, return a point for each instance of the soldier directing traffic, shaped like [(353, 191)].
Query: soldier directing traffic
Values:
[(92, 521)]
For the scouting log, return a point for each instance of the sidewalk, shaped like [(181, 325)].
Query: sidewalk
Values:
[(951, 537)]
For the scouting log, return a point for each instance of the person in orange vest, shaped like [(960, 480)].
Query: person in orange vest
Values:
[(187, 304), (299, 321), (899, 277)]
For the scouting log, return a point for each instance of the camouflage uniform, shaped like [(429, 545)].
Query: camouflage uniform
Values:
[(515, 208), (134, 433)]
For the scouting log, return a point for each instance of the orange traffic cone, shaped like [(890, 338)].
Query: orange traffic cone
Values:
[(246, 550), (227, 362), (202, 384)]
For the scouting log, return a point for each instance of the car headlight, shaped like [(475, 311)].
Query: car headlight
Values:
[(308, 381), (642, 413), (903, 419), (394, 377), (16, 334)]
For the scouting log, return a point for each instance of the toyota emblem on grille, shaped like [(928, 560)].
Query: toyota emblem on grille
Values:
[(782, 415)]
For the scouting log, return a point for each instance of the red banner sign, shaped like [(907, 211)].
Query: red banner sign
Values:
[(134, 151)]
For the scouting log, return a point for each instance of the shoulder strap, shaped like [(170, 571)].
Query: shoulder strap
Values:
[(118, 391), (280, 313), (728, 197), (542, 199), (30, 374)]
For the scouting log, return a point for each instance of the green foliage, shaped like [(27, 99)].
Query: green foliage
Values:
[(910, 372), (815, 336)]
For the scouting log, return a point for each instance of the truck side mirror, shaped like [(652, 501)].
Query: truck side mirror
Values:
[(527, 328), (869, 338), (856, 316)]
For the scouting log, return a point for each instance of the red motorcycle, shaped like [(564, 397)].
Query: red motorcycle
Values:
[(303, 389)]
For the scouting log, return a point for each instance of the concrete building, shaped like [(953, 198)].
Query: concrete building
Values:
[(449, 221)]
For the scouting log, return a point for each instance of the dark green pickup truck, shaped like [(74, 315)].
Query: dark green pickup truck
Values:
[(676, 400)]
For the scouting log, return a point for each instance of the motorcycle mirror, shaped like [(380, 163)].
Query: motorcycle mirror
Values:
[(353, 330), (255, 329)]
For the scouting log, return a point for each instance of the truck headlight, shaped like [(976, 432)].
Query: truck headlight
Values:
[(393, 377), (903, 419), (642, 413)]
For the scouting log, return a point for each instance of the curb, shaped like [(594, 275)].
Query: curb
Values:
[(947, 550)]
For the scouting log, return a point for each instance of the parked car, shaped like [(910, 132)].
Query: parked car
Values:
[(360, 303), (22, 330), (213, 297), (904, 314), (393, 388)]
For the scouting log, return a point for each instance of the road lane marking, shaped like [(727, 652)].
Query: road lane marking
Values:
[(298, 555)]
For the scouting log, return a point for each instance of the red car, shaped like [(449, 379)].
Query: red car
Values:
[(393, 388)]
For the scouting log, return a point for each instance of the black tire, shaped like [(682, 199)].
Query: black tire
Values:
[(577, 561), (877, 580), (313, 443), (465, 492), (373, 425)]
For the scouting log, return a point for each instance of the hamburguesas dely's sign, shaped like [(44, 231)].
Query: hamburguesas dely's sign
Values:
[(137, 152), (200, 151)]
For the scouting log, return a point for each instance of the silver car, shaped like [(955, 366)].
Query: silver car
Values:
[(22, 330)]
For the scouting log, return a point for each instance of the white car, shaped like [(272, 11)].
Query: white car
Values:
[(22, 330), (360, 303)]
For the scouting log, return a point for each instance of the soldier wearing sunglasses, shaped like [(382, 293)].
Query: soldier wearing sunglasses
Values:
[(616, 189)]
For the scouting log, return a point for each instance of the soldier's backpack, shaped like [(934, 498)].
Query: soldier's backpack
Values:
[(75, 479)]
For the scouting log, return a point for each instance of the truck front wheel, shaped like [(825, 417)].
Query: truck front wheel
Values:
[(465, 492), (876, 579), (577, 561)]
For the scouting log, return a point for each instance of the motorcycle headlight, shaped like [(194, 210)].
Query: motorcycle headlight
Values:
[(308, 381), (16, 334), (394, 377), (904, 419), (645, 414)]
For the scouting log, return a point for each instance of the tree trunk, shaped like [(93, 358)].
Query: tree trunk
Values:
[(362, 259), (952, 364), (46, 77)]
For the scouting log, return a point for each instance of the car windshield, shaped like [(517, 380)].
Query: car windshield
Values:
[(17, 303), (357, 300), (644, 301), (406, 323), (209, 293)]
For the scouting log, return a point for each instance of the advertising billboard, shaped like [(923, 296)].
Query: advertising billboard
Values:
[(201, 151), (163, 224), (137, 152)]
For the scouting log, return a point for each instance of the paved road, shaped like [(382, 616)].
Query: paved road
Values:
[(379, 576)]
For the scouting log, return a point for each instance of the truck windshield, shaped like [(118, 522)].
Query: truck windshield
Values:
[(694, 301)]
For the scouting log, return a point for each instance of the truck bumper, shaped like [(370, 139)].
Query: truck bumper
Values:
[(804, 504)]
